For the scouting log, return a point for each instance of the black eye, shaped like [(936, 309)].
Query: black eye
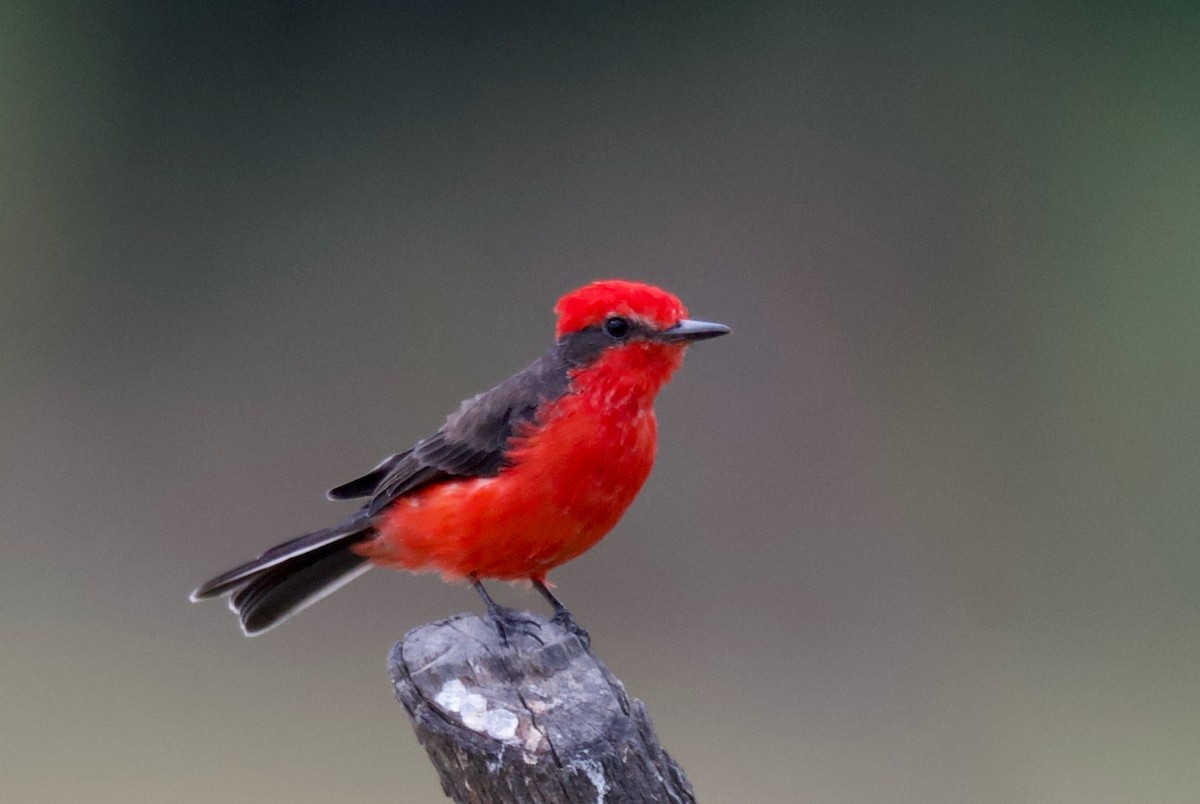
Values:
[(616, 326)]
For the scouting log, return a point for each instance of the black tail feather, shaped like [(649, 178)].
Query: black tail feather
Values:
[(294, 585), (355, 528), (292, 576)]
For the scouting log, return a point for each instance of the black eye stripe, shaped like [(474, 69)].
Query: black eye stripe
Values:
[(583, 346)]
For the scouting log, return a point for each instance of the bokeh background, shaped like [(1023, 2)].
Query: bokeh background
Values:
[(922, 530)]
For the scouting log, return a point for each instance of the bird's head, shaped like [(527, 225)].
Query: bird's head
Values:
[(627, 332)]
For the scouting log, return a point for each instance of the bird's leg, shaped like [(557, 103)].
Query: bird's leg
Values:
[(561, 615), (506, 620)]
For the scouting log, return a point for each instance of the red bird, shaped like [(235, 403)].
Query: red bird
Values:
[(520, 479)]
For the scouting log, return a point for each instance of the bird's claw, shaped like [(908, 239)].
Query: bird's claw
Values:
[(564, 619), (510, 621)]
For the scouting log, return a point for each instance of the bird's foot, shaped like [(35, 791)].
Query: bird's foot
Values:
[(563, 618), (510, 623)]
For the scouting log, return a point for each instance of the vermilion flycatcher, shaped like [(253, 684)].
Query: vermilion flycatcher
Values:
[(520, 479)]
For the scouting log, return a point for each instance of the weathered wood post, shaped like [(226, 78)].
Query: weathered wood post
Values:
[(540, 719)]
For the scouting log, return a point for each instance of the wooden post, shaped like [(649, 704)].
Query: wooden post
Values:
[(540, 719)]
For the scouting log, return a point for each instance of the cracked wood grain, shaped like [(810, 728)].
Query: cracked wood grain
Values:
[(538, 720)]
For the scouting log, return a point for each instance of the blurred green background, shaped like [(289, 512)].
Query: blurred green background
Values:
[(923, 529)]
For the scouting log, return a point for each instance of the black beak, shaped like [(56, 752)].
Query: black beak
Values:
[(688, 330)]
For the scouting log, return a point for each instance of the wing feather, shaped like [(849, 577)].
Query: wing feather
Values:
[(474, 441)]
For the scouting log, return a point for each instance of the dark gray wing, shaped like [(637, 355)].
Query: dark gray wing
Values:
[(474, 441), (365, 486)]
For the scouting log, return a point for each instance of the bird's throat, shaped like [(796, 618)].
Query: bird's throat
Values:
[(628, 377)]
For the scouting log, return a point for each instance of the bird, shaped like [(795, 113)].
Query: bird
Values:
[(519, 480)]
